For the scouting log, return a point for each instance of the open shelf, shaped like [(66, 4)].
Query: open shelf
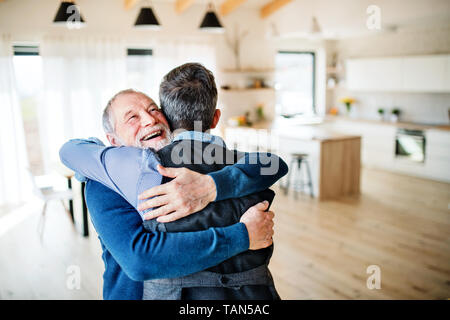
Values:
[(247, 89), (248, 70)]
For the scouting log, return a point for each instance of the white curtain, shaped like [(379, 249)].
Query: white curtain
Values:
[(15, 185), (80, 76), (170, 54)]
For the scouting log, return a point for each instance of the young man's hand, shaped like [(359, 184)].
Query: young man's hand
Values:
[(187, 193), (259, 223)]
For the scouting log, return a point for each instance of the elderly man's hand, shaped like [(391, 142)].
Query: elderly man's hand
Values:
[(187, 193), (259, 223)]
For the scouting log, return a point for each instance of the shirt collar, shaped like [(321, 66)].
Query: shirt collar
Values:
[(200, 136)]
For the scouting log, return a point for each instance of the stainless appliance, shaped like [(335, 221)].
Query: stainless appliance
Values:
[(410, 145)]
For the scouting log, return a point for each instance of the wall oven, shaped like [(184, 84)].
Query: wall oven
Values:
[(410, 145)]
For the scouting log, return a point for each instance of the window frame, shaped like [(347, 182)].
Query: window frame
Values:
[(313, 54), (131, 51), (26, 50)]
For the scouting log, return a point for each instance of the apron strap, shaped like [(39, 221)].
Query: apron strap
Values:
[(171, 288)]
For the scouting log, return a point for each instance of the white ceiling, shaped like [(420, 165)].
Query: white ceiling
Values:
[(346, 18), (337, 18), (247, 4)]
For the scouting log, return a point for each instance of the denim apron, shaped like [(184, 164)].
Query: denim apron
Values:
[(171, 289)]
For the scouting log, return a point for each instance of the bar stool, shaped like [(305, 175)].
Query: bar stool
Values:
[(299, 158)]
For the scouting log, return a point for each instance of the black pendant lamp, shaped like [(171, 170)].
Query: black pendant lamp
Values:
[(147, 19), (69, 15), (210, 22)]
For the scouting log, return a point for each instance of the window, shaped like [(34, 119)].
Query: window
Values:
[(28, 73), (294, 82), (140, 71)]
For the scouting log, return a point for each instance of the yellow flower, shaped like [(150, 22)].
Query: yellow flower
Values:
[(347, 100)]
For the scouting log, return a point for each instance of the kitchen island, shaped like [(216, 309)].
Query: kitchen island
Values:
[(334, 158)]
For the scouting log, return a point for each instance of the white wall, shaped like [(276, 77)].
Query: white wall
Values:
[(30, 20), (27, 19), (416, 107)]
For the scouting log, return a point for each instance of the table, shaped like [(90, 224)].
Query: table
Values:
[(69, 174)]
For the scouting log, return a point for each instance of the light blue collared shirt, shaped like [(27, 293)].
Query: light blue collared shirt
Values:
[(200, 136)]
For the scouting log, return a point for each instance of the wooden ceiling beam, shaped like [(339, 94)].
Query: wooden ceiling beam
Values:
[(272, 7), (183, 5), (129, 4), (229, 6)]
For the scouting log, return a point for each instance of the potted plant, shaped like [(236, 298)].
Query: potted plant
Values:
[(395, 114), (260, 112), (348, 103), (381, 113)]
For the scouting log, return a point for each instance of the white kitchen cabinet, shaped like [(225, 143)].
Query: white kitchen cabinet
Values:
[(401, 74), (447, 74), (424, 73), (383, 74), (438, 154), (357, 70), (378, 149)]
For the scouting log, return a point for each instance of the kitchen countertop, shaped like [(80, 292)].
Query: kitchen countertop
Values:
[(313, 132), (312, 129), (299, 132), (404, 125)]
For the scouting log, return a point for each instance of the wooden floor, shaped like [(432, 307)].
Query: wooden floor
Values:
[(399, 223), (31, 268), (322, 249)]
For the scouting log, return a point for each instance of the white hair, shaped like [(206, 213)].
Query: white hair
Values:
[(107, 118)]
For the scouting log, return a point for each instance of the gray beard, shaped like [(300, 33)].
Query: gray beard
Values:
[(160, 144)]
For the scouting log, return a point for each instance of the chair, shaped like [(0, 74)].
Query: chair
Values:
[(47, 194), (297, 160)]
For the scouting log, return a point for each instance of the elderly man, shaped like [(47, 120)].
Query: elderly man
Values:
[(129, 171)]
